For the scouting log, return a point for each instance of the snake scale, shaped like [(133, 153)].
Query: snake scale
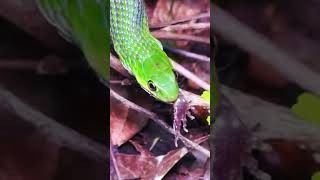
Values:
[(86, 23), (141, 53)]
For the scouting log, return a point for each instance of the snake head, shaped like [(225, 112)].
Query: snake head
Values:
[(157, 77)]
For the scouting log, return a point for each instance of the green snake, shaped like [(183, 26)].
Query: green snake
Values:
[(140, 53), (85, 23)]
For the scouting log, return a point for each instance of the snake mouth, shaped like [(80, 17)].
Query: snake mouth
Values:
[(165, 100), (170, 100)]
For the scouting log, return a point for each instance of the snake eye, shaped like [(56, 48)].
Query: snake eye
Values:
[(152, 87)]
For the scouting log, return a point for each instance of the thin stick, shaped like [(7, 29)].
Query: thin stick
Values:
[(188, 54), (249, 40), (116, 65), (187, 26), (165, 24), (56, 132), (175, 36), (160, 122), (188, 74)]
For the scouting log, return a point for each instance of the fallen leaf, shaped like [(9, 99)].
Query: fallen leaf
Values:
[(307, 108), (124, 123), (147, 166)]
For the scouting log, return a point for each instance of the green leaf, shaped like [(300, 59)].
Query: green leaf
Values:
[(308, 108), (206, 95)]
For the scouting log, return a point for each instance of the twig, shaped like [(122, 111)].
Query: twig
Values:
[(249, 40), (56, 132), (175, 36), (187, 26), (188, 54), (194, 99), (116, 65), (165, 24), (188, 74), (160, 122)]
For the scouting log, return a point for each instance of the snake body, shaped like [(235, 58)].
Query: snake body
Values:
[(141, 53), (85, 22)]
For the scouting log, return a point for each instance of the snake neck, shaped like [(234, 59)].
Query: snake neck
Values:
[(129, 21), (130, 32)]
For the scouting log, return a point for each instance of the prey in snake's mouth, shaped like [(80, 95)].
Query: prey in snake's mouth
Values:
[(143, 56)]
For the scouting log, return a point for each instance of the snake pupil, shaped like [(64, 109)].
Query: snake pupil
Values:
[(152, 87)]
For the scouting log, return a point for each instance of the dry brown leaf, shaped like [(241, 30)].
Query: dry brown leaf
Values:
[(180, 9), (147, 166), (124, 123), (163, 12)]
